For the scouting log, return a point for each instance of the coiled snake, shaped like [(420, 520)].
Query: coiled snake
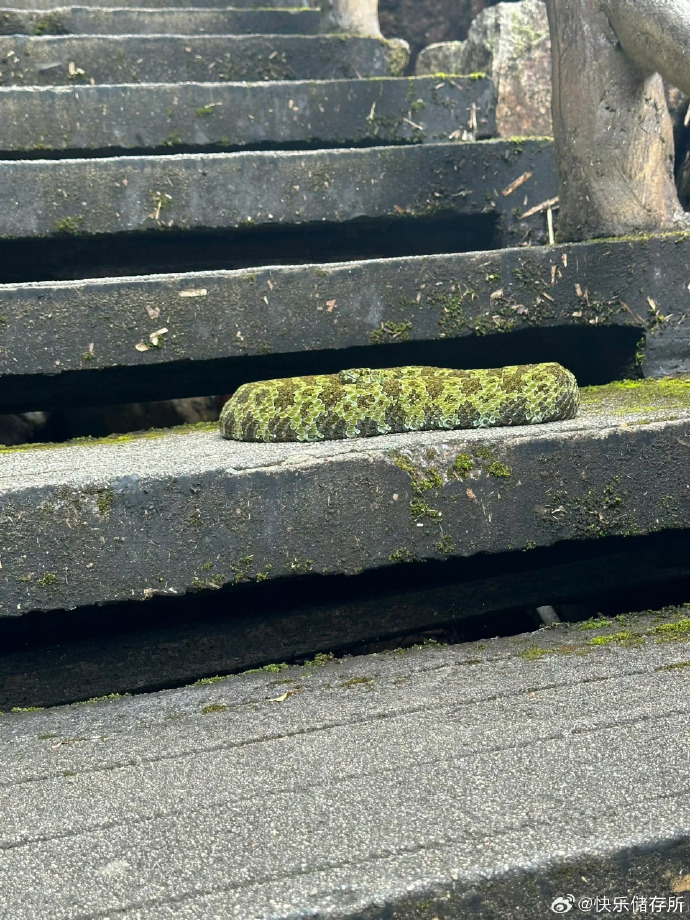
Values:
[(360, 402)]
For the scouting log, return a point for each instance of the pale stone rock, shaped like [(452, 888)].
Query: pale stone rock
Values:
[(510, 43)]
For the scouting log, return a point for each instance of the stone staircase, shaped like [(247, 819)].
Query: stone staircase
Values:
[(194, 197)]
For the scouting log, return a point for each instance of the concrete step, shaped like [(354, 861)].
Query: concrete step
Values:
[(587, 305), (170, 117), (64, 61), (472, 182), (485, 779), (47, 5), (182, 511), (88, 20)]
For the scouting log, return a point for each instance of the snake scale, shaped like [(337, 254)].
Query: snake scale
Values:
[(361, 402)]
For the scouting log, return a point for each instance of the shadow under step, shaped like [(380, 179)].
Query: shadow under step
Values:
[(75, 655), (168, 118)]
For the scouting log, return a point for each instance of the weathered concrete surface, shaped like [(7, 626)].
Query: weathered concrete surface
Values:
[(510, 42), (168, 514), (52, 61), (329, 113), (75, 20), (473, 782), (50, 331), (42, 198)]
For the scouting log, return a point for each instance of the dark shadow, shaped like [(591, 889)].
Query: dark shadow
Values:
[(59, 657), (70, 257), (595, 355)]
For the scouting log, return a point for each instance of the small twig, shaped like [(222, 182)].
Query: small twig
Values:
[(543, 206), (514, 186), (549, 221)]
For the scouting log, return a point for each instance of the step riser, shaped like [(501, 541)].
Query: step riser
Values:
[(82, 21), (148, 194), (48, 5), (134, 59), (518, 295), (183, 512), (121, 119)]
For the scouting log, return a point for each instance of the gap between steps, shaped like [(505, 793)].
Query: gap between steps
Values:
[(67, 656)]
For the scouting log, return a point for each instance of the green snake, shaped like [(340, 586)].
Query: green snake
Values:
[(359, 403)]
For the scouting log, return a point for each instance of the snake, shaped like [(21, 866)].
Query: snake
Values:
[(363, 402)]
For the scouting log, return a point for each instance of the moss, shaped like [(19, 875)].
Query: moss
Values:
[(210, 680), (301, 567), (445, 545), (267, 669), (50, 24), (263, 576), (533, 654), (102, 699), (105, 502), (613, 637), (356, 682), (421, 480), (398, 57), (420, 508), (69, 225), (161, 201), (401, 555), (205, 110), (391, 332), (27, 709), (638, 396), (48, 579), (462, 465), (670, 631), (213, 707), (454, 317), (500, 470), (113, 438)]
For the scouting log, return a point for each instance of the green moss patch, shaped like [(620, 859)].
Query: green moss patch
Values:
[(112, 438), (638, 396)]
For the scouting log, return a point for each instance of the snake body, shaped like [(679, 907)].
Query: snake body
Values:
[(360, 402)]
